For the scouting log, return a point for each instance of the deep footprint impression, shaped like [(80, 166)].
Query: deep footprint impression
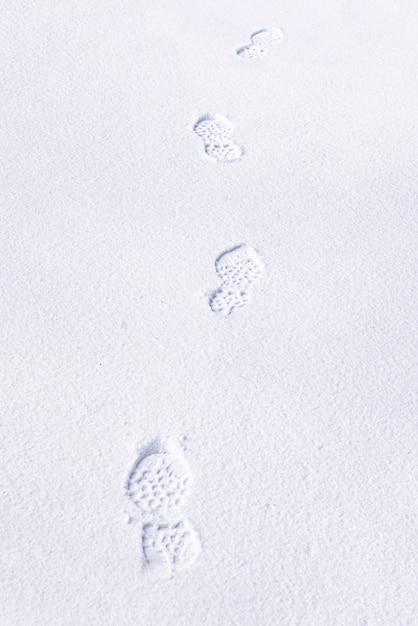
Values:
[(217, 134), (238, 269), (158, 486), (261, 42)]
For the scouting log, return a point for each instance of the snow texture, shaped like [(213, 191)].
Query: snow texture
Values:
[(297, 413)]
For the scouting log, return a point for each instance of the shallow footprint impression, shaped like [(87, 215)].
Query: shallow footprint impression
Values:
[(170, 547), (158, 484), (217, 134), (261, 42), (238, 270)]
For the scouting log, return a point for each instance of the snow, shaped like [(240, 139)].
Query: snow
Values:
[(295, 414)]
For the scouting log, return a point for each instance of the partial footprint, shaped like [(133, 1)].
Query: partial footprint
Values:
[(223, 301), (238, 270), (159, 484), (214, 129), (261, 42), (240, 267), (224, 153), (170, 547), (217, 134)]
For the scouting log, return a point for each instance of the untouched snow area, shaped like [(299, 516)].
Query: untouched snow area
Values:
[(209, 273)]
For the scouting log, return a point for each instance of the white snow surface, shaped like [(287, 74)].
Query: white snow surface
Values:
[(296, 413)]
